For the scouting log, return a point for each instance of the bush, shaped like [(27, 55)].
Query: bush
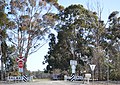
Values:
[(115, 75)]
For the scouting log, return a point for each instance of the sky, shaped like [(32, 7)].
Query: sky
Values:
[(34, 62)]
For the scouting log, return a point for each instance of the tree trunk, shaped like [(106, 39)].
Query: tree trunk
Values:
[(99, 71), (2, 67)]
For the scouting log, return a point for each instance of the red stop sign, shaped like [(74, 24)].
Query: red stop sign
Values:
[(20, 64)]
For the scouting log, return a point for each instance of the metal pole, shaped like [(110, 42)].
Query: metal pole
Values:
[(93, 78), (108, 74)]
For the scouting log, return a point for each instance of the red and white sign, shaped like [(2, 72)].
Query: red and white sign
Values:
[(20, 64), (20, 61)]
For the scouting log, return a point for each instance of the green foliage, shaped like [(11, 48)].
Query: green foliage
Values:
[(83, 26), (74, 17), (115, 75), (113, 35), (30, 21), (4, 51), (3, 18), (112, 15)]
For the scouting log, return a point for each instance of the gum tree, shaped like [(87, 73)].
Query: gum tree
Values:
[(3, 45), (30, 21), (74, 35), (113, 50)]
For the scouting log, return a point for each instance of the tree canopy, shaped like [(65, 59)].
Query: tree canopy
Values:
[(84, 37)]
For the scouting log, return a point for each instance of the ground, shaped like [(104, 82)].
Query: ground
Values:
[(57, 82)]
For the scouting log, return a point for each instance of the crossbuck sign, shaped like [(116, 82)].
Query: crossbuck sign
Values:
[(20, 61)]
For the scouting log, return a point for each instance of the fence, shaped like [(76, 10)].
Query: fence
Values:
[(19, 78)]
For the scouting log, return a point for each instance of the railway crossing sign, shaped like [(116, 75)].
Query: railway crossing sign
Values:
[(20, 61)]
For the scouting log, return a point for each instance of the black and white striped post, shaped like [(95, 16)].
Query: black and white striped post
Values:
[(25, 78), (72, 77)]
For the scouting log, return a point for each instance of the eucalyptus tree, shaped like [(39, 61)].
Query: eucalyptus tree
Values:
[(75, 25), (78, 24), (3, 45), (99, 41), (51, 52), (30, 21), (4, 48), (11, 63), (113, 50)]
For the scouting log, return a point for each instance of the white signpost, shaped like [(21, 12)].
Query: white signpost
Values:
[(73, 64), (92, 66), (73, 68)]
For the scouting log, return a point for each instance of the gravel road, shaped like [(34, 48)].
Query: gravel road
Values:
[(49, 82)]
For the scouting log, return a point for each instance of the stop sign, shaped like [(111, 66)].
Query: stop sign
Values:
[(20, 64)]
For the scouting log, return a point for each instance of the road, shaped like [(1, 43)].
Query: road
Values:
[(49, 82), (43, 83)]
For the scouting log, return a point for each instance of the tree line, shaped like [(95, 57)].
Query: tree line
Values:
[(84, 37)]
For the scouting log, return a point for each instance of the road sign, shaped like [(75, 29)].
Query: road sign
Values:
[(20, 59), (73, 62), (20, 64), (92, 67)]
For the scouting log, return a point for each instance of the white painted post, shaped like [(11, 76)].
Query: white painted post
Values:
[(73, 64), (88, 76), (92, 66), (65, 77)]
